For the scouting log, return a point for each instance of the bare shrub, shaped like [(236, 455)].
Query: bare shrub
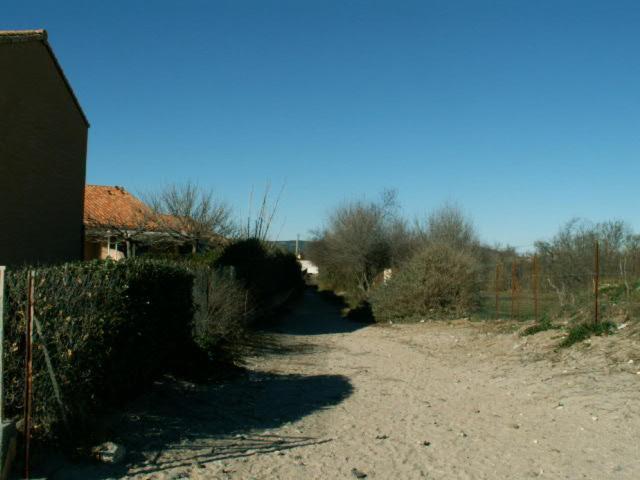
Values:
[(260, 226), (357, 244), (265, 271), (568, 258), (220, 328), (449, 225), (191, 215), (438, 281)]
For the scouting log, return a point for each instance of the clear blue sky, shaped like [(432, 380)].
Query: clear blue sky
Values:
[(526, 113)]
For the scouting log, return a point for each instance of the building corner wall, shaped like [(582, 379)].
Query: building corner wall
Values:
[(43, 147)]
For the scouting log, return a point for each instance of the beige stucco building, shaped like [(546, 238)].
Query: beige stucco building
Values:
[(43, 144)]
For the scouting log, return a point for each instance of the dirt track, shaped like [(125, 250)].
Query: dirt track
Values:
[(435, 400)]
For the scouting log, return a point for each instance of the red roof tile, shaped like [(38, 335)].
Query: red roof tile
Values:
[(114, 207)]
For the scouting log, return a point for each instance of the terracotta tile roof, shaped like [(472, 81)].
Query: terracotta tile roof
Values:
[(114, 207), (18, 36)]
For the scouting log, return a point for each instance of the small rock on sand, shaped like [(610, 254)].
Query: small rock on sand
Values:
[(357, 473), (109, 452)]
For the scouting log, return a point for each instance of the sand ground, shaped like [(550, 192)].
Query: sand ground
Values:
[(329, 399)]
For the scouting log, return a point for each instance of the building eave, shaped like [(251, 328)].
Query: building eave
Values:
[(41, 35)]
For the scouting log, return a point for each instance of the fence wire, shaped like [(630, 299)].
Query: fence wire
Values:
[(534, 287)]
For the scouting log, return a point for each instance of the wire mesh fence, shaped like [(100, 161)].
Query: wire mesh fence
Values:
[(535, 287), (82, 336), (72, 317), (49, 345)]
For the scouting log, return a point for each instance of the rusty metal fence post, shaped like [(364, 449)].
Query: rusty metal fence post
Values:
[(513, 290), (28, 389), (596, 282), (535, 286), (497, 291)]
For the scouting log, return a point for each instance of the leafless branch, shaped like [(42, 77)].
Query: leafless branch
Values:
[(191, 215)]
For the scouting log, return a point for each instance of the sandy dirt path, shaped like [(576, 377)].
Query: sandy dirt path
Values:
[(331, 399)]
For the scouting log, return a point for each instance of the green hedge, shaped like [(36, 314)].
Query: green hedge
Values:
[(109, 328), (265, 271)]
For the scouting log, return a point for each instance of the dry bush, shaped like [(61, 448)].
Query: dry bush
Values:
[(439, 281), (191, 215), (360, 240), (567, 260), (221, 317), (449, 225)]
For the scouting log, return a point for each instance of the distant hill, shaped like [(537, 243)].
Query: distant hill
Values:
[(290, 245)]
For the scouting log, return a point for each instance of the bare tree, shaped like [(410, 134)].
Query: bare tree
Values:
[(356, 244), (449, 225), (191, 214), (567, 259)]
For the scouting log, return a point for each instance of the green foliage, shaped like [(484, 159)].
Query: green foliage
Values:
[(438, 281), (359, 313), (582, 331), (618, 291), (206, 256), (542, 325), (286, 273), (264, 271), (109, 328), (361, 239)]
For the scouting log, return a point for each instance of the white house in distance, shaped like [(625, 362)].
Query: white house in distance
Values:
[(308, 267)]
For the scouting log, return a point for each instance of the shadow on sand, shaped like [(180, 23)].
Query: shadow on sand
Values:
[(317, 313), (181, 424)]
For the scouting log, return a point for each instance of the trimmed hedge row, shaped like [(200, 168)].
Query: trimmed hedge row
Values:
[(109, 329)]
